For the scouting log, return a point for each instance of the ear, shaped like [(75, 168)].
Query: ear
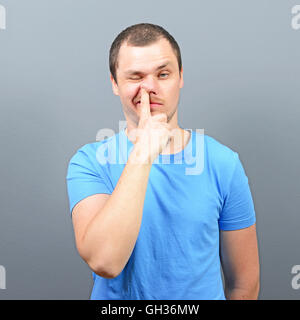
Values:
[(181, 79), (114, 85)]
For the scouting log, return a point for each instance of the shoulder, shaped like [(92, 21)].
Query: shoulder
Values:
[(90, 151), (85, 153), (219, 153), (221, 161)]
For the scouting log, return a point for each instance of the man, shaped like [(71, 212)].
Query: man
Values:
[(146, 228)]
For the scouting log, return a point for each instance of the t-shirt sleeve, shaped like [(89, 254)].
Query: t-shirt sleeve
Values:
[(238, 208), (85, 177)]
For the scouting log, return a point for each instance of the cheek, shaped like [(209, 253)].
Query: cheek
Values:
[(174, 90), (131, 91)]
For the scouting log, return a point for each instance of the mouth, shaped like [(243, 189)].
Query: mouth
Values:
[(153, 104)]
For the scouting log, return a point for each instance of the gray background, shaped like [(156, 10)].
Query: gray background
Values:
[(241, 71)]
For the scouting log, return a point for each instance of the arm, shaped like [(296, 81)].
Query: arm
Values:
[(107, 227), (240, 263)]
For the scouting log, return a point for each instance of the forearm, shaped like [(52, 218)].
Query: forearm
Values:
[(246, 293), (112, 234)]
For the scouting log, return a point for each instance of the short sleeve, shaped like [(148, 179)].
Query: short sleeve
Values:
[(238, 208), (84, 178)]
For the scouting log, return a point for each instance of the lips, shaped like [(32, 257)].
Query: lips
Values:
[(152, 103)]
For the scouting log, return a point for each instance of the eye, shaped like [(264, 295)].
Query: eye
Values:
[(135, 78), (164, 75)]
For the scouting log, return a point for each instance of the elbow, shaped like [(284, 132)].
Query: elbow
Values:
[(104, 273), (102, 269), (98, 263)]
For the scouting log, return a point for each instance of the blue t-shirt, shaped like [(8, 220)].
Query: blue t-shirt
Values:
[(190, 197)]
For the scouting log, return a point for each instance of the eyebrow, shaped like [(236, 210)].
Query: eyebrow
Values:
[(133, 72)]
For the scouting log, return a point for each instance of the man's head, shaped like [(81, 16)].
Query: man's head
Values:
[(146, 55), (140, 35)]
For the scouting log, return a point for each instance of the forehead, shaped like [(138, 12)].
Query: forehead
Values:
[(147, 57)]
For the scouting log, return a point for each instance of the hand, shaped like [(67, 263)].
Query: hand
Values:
[(153, 132)]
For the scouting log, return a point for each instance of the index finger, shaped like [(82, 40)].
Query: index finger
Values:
[(145, 105)]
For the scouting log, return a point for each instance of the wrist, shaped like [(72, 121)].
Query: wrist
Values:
[(140, 156)]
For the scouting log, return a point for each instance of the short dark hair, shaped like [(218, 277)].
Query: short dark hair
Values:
[(140, 35)]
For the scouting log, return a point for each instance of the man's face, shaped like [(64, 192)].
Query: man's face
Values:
[(153, 67)]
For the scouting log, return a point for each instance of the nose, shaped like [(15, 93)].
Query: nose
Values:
[(150, 84)]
